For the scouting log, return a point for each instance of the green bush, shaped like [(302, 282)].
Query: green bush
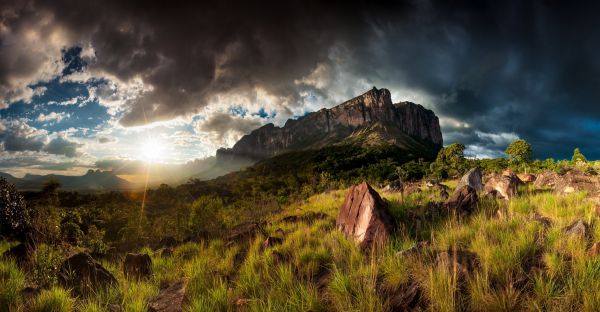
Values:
[(15, 219)]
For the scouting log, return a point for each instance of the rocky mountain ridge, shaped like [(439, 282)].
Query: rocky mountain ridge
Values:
[(366, 119)]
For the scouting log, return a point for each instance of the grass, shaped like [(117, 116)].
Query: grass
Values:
[(53, 300), (519, 263), (12, 280)]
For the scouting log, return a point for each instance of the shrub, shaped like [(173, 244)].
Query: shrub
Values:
[(46, 261), (15, 218)]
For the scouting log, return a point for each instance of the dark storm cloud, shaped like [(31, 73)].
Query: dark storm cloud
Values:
[(62, 146), (17, 136), (503, 67), (222, 123)]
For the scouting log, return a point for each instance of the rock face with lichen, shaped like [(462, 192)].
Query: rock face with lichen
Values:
[(370, 118)]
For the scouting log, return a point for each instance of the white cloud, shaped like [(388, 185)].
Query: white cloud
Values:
[(53, 116)]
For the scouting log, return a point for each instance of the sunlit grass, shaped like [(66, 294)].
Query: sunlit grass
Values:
[(521, 265)]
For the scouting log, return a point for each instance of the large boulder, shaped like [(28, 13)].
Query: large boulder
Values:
[(170, 299), (464, 200), (84, 275), (365, 217), (504, 185), (577, 181), (137, 266), (472, 178)]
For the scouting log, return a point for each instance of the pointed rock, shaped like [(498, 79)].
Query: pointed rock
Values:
[(473, 179), (463, 201), (365, 217), (577, 228)]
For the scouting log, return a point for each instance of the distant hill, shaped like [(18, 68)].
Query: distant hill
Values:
[(366, 120), (93, 180)]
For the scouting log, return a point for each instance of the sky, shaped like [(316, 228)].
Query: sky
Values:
[(113, 84)]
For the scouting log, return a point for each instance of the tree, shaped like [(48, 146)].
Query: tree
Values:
[(578, 156), (519, 151), (451, 155), (15, 220)]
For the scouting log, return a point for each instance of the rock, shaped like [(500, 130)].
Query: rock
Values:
[(244, 233), (407, 298), (20, 254), (472, 178), (279, 257), (395, 186), (463, 201), (241, 302), (308, 217), (137, 266), (373, 109), (84, 275), (280, 232), (29, 293), (170, 299), (271, 241), (527, 178), (197, 238), (463, 261), (504, 186), (546, 179), (413, 250), (577, 228), (168, 242), (594, 251), (545, 221), (365, 217), (166, 252), (443, 190), (577, 181)]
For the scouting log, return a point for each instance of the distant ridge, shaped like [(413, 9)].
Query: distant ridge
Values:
[(94, 180), (368, 119)]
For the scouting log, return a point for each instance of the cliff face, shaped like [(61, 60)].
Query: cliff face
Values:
[(405, 124)]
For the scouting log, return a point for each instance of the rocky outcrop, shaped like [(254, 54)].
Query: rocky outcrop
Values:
[(405, 124), (365, 217), (84, 275)]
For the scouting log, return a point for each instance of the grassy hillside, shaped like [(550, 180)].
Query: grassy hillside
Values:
[(519, 263)]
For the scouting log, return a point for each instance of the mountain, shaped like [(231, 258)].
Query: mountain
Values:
[(368, 119), (93, 180)]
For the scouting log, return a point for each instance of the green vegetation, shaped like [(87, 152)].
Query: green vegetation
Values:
[(578, 156), (521, 265), (516, 262), (519, 151)]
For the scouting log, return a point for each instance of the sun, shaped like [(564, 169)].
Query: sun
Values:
[(152, 150)]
